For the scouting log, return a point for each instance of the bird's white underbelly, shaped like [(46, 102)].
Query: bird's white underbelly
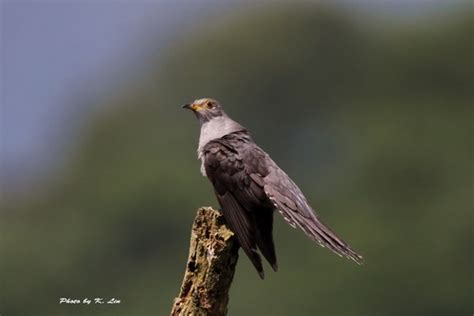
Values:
[(203, 167)]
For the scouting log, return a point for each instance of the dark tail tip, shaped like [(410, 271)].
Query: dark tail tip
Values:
[(275, 266)]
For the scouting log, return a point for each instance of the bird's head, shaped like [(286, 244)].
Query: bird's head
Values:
[(205, 109)]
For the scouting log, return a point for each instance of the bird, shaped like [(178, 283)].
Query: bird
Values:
[(250, 186)]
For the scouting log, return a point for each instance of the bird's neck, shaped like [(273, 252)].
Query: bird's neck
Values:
[(216, 128)]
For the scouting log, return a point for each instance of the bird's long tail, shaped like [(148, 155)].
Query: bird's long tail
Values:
[(325, 237)]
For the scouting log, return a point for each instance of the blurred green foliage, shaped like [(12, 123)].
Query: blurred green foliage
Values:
[(371, 117)]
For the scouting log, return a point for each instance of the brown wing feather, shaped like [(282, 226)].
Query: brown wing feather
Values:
[(243, 227), (231, 169)]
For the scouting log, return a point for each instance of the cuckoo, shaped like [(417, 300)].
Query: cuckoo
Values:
[(250, 186)]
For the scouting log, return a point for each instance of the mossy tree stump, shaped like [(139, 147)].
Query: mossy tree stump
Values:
[(213, 255)]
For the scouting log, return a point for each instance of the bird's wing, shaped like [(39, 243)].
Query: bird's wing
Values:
[(292, 204), (237, 193)]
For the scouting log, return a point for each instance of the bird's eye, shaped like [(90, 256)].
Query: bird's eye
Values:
[(209, 105)]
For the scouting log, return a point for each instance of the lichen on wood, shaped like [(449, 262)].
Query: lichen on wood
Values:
[(213, 255)]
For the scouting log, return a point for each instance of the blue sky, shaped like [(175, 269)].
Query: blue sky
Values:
[(52, 51)]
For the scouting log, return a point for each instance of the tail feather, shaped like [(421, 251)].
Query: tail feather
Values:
[(264, 238), (322, 234)]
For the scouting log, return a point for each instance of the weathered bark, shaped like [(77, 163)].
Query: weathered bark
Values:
[(213, 254)]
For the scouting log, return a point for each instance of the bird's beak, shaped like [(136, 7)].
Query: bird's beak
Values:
[(187, 106), (192, 106)]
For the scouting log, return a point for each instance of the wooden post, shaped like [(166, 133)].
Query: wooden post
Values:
[(213, 255)]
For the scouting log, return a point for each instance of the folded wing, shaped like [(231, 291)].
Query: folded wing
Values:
[(230, 164)]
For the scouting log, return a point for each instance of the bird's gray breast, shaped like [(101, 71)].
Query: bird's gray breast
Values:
[(214, 129)]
